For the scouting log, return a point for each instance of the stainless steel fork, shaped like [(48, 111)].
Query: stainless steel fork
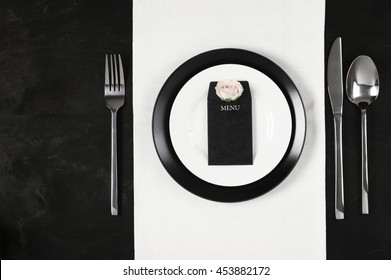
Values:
[(115, 99)]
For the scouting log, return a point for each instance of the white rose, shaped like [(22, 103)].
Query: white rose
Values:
[(229, 90)]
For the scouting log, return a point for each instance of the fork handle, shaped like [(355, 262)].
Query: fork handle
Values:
[(114, 179)]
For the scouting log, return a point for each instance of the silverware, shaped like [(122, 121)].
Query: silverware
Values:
[(115, 98), (362, 88), (335, 89)]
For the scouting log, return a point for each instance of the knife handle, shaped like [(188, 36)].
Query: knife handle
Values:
[(339, 198)]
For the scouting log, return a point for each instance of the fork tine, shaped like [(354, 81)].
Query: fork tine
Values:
[(107, 78), (111, 73), (121, 72), (116, 86)]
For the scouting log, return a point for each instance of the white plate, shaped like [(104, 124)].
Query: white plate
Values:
[(272, 125)]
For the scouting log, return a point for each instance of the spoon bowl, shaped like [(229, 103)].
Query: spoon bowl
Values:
[(362, 88), (362, 82)]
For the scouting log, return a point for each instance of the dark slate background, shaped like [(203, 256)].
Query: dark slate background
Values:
[(365, 28), (55, 130)]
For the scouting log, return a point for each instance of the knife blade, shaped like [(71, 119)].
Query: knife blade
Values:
[(335, 90)]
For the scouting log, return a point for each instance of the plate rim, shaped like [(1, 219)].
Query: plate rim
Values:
[(161, 118)]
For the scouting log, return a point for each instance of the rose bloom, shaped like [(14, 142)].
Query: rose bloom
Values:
[(229, 90)]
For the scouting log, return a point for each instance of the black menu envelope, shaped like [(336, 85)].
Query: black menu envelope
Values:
[(230, 128)]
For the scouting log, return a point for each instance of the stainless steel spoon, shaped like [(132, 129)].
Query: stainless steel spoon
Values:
[(362, 88)]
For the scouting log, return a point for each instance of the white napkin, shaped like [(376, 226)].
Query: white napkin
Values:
[(170, 222)]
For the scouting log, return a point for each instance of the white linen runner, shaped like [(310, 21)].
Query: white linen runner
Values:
[(289, 221)]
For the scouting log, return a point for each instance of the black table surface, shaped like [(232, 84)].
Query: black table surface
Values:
[(55, 131), (365, 30)]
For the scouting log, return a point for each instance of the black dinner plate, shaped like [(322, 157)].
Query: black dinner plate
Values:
[(166, 151)]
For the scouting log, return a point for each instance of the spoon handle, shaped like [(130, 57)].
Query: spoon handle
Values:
[(339, 198), (364, 162)]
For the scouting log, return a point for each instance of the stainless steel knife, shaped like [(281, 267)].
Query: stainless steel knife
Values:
[(335, 89)]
